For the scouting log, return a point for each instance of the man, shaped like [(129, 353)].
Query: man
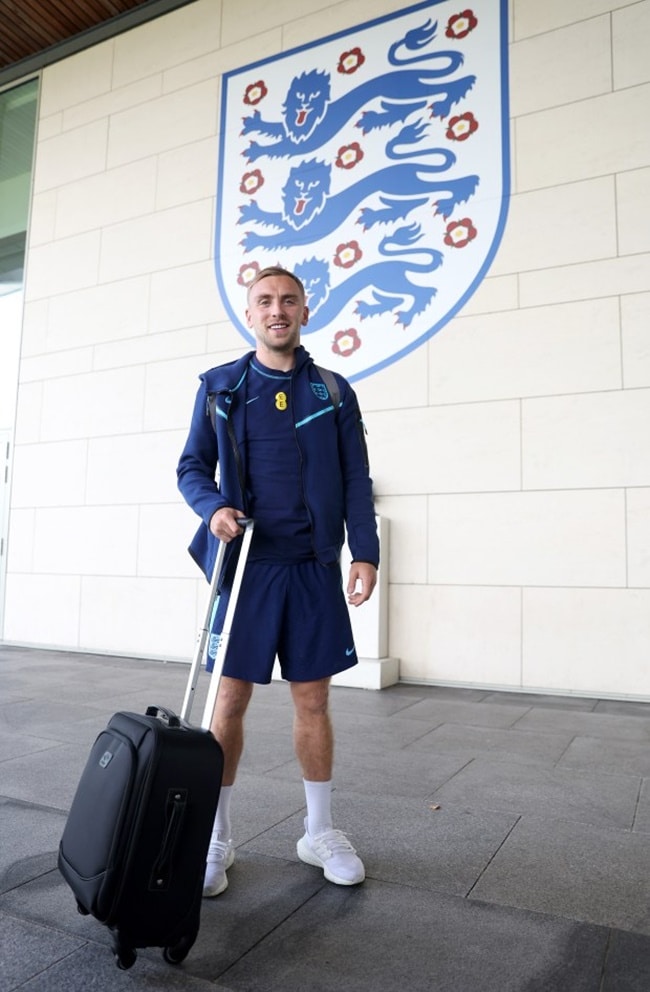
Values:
[(292, 456)]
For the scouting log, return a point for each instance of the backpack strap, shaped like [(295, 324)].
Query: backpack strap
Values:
[(332, 385)]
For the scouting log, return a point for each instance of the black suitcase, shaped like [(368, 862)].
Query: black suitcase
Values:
[(134, 846)]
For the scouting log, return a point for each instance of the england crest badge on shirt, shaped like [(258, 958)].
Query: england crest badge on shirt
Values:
[(375, 164)]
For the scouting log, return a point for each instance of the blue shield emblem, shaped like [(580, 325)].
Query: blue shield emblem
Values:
[(374, 164)]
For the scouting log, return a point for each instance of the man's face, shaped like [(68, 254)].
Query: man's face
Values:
[(276, 311)]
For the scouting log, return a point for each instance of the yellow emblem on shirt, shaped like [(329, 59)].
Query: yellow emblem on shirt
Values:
[(280, 401)]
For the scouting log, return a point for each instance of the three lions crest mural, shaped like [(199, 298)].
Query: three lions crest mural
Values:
[(374, 164)]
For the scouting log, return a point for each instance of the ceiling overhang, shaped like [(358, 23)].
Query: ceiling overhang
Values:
[(36, 33)]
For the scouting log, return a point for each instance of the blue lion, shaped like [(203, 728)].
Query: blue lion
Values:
[(310, 119)]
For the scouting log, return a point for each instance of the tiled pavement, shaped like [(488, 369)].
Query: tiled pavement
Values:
[(506, 839)]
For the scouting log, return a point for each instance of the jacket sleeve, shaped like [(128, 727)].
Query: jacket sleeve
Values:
[(361, 524), (197, 467)]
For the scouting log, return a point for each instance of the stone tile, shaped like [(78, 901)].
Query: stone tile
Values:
[(93, 967), (509, 745), (398, 773), (358, 732), (621, 727), (568, 794), (627, 968), (622, 707), (262, 893), (14, 745), (349, 939), (31, 950), (47, 778), (610, 756), (30, 840), (642, 818), (535, 699), (439, 711), (574, 870), (407, 842), (394, 699)]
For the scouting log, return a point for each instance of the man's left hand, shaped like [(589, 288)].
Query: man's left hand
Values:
[(363, 579)]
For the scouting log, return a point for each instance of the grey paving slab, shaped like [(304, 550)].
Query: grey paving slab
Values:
[(635, 728), (623, 707), (29, 950), (535, 699), (438, 711), (52, 720), (575, 870), (270, 752), (627, 966), (46, 900), (506, 844), (14, 745), (407, 842), (442, 691), (395, 699), (92, 968), (381, 938), (262, 894), (513, 745), (562, 793), (46, 778), (373, 734), (629, 757), (642, 818), (260, 803), (399, 773), (30, 838)]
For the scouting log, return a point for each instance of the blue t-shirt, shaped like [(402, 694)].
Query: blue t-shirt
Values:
[(282, 526)]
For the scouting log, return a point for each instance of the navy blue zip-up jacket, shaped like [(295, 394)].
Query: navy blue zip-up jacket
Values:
[(337, 488)]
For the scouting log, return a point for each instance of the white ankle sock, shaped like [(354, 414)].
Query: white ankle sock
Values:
[(319, 811), (221, 829)]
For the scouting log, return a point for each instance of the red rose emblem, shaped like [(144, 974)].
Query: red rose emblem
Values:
[(460, 128), (351, 61), (460, 233), (347, 254), (346, 342), (247, 273), (349, 156), (460, 25), (251, 182), (255, 92)]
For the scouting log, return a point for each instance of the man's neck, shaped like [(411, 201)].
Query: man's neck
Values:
[(279, 361)]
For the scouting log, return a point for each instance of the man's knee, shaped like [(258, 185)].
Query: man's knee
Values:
[(233, 698), (311, 698)]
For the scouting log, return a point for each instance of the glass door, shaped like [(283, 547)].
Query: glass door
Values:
[(17, 131)]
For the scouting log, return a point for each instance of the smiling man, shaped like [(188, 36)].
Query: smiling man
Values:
[(289, 443)]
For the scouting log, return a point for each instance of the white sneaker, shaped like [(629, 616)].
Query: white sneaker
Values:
[(333, 852), (221, 855)]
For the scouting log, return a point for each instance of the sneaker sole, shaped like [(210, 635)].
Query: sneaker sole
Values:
[(307, 855)]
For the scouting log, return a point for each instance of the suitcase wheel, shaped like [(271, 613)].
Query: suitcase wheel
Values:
[(178, 953), (82, 910), (125, 957)]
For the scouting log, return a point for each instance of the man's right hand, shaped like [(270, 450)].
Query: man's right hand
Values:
[(223, 523)]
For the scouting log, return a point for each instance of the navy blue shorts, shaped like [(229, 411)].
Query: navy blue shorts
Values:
[(296, 612)]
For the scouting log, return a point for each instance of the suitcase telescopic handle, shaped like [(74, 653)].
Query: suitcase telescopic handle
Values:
[(248, 524)]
